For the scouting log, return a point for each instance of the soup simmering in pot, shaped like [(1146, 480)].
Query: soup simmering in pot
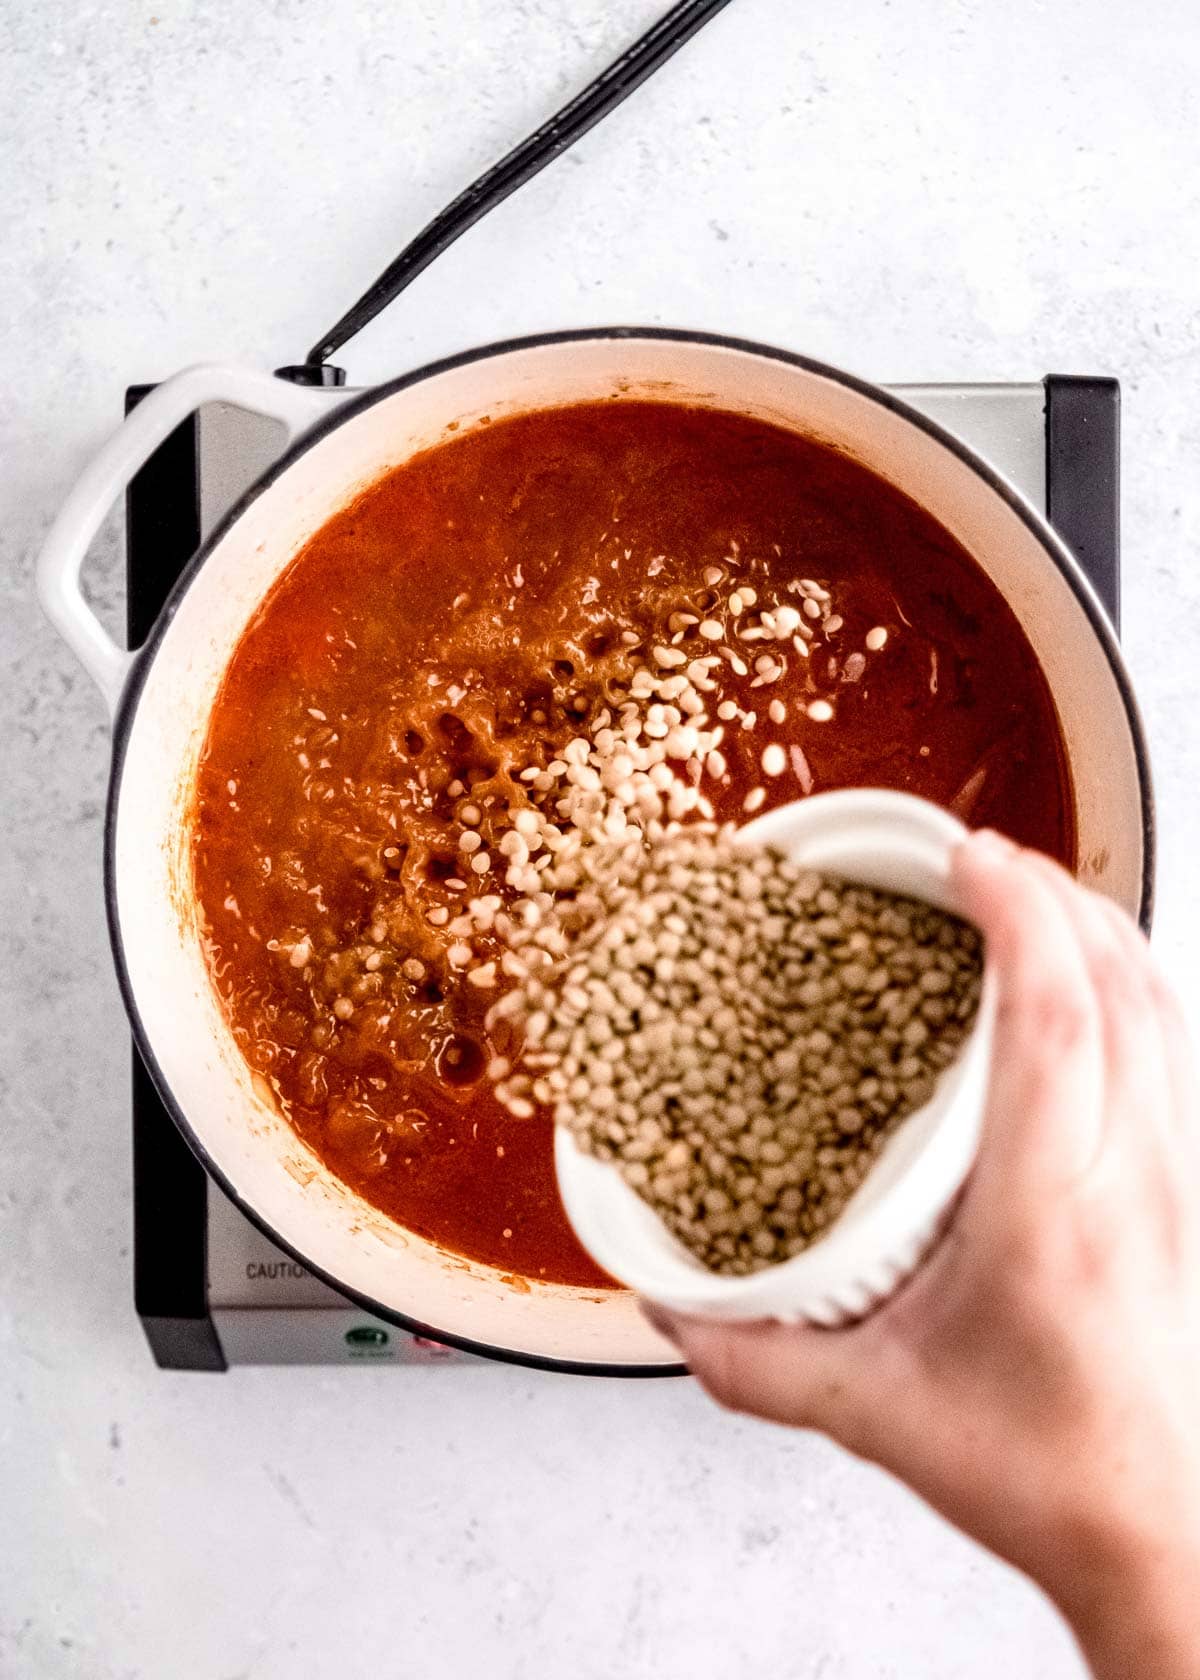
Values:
[(558, 626)]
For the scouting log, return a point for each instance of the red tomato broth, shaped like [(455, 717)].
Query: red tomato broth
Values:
[(440, 630)]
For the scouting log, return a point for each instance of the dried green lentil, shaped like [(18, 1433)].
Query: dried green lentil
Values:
[(743, 1035)]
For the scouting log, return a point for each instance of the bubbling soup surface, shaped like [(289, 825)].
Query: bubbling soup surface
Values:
[(467, 651)]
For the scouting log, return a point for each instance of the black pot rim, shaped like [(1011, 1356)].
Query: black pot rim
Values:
[(144, 657)]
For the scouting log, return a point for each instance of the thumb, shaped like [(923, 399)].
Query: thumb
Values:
[(835, 1381)]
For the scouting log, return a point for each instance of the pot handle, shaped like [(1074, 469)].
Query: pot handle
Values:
[(103, 480)]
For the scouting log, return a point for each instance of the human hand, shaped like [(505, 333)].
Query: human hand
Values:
[(1038, 1380)]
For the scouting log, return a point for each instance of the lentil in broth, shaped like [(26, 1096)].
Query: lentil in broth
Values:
[(408, 687)]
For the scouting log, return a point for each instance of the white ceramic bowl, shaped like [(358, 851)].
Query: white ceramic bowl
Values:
[(880, 839)]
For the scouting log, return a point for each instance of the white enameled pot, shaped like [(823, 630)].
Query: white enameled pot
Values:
[(161, 696)]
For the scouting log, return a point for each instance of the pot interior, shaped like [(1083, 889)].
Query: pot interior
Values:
[(252, 1149)]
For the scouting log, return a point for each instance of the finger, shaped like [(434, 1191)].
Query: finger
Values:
[(1176, 1038), (1139, 949), (1118, 966), (1043, 1107), (835, 1381), (1108, 928), (1141, 1090), (1181, 1060), (1103, 928)]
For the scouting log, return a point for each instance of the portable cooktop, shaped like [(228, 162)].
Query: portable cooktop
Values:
[(210, 1288)]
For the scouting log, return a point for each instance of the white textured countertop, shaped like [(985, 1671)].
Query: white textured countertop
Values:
[(930, 191)]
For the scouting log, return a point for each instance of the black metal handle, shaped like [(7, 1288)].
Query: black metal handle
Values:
[(1083, 477), (524, 161)]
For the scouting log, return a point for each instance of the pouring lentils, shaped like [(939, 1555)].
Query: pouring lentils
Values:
[(578, 629), (737, 1034)]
